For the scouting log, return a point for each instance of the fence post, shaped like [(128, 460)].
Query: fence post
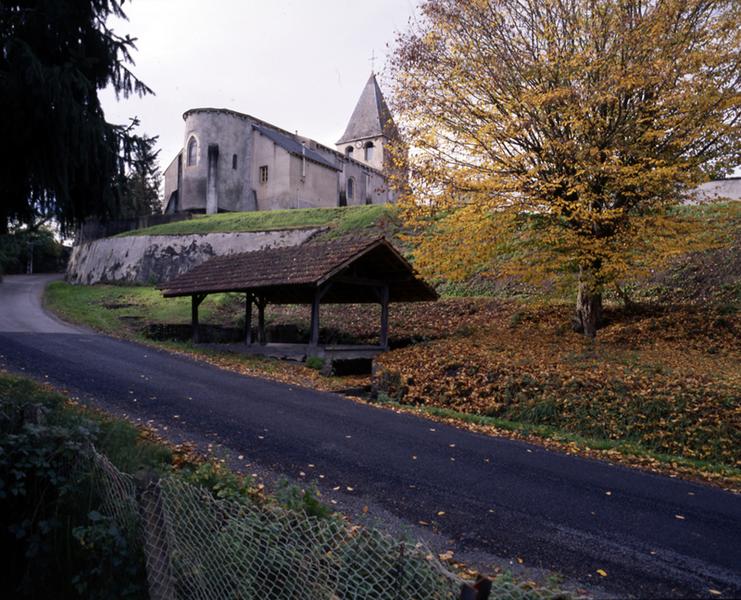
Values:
[(479, 591), (154, 533)]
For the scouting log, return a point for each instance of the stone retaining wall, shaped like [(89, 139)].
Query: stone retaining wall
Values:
[(155, 259)]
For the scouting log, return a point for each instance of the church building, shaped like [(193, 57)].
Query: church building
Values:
[(235, 162)]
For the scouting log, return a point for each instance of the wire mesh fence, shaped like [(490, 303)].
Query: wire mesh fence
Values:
[(200, 547)]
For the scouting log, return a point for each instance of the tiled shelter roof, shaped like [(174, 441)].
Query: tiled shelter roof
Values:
[(356, 267)]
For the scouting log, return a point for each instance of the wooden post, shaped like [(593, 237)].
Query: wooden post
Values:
[(320, 292), (248, 319), (314, 340), (195, 301), (384, 316), (261, 337)]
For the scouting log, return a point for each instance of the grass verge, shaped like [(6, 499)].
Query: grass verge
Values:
[(621, 451), (341, 219)]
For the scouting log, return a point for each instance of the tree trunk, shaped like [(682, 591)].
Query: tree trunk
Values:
[(588, 316)]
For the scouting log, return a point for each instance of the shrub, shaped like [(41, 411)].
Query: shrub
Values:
[(315, 362)]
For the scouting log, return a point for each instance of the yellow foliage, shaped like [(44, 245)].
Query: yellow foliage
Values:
[(551, 135)]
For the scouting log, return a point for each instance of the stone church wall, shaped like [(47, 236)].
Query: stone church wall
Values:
[(233, 182), (158, 258)]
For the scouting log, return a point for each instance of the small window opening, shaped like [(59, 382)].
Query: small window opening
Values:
[(192, 152), (348, 151), (234, 161), (369, 147), (350, 188), (264, 174)]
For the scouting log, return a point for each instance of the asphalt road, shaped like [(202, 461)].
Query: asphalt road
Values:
[(654, 536)]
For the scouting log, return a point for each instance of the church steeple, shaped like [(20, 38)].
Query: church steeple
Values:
[(370, 127)]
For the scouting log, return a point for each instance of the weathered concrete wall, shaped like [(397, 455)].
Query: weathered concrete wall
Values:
[(718, 190), (159, 258)]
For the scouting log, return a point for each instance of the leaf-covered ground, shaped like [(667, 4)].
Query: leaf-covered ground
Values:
[(668, 380)]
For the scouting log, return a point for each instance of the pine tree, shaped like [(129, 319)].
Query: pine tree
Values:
[(60, 157), (137, 189)]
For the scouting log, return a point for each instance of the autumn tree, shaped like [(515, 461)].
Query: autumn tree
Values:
[(60, 157), (556, 134)]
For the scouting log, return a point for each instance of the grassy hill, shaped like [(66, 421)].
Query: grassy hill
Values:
[(340, 220)]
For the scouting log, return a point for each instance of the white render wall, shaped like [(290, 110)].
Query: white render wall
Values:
[(240, 189), (158, 258), (718, 190)]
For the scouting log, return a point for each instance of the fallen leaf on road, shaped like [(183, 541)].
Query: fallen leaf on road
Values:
[(680, 517), (446, 555), (601, 572), (519, 561), (714, 592), (349, 489), (608, 493), (365, 510), (441, 513)]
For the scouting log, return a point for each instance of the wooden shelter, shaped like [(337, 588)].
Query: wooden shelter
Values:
[(345, 270)]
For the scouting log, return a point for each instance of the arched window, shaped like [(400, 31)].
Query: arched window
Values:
[(369, 151), (348, 151), (192, 151), (234, 161), (350, 188)]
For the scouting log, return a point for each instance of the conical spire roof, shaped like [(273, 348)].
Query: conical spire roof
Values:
[(371, 116)]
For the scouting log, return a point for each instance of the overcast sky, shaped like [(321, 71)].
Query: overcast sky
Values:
[(299, 64)]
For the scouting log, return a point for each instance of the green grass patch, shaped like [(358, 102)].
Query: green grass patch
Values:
[(345, 219), (118, 439), (123, 310), (626, 448)]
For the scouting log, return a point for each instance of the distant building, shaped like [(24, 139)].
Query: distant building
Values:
[(717, 190), (234, 162)]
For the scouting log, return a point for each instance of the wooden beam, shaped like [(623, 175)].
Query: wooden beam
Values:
[(248, 319), (384, 294), (320, 292), (314, 338), (358, 281), (195, 301), (262, 338)]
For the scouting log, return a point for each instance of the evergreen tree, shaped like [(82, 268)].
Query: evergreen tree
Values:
[(60, 157), (138, 185)]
